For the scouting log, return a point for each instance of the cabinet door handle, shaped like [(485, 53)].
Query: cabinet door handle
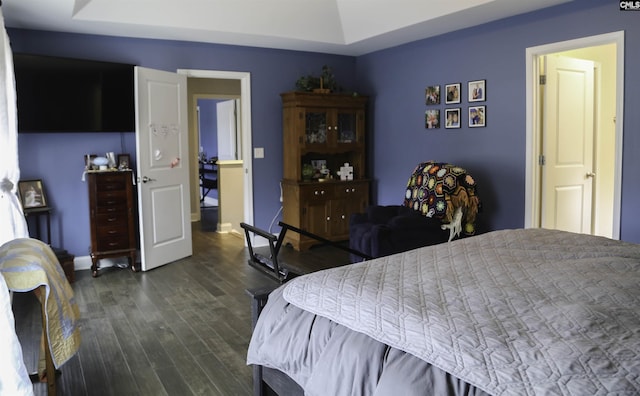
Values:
[(328, 218)]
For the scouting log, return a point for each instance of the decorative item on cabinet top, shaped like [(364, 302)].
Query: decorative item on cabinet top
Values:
[(326, 83)]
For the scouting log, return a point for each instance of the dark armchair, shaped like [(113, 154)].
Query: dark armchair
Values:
[(440, 203)]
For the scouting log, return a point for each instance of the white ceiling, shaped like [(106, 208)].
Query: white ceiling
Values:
[(347, 27)]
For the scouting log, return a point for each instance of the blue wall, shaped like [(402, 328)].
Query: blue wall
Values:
[(59, 156), (397, 78), (394, 78)]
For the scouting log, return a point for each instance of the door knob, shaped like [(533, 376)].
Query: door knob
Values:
[(591, 174), (147, 179)]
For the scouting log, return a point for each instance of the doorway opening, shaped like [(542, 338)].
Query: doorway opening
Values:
[(607, 53), (223, 84)]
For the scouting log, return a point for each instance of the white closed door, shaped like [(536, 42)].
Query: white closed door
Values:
[(568, 137), (162, 167), (227, 131)]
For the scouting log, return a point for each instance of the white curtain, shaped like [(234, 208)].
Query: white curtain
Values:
[(12, 221)]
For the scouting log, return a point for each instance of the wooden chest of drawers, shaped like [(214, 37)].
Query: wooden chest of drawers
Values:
[(111, 212)]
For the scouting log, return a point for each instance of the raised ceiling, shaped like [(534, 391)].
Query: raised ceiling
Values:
[(347, 27)]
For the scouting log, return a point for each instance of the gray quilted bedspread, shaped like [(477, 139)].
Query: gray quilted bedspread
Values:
[(514, 312)]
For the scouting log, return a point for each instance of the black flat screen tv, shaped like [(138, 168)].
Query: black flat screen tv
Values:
[(73, 95)]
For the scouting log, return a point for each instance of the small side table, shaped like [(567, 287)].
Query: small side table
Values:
[(37, 213)]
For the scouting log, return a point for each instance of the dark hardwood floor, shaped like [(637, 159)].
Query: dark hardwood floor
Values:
[(181, 329)]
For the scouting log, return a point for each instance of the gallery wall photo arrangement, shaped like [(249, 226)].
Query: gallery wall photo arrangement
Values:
[(477, 116), (432, 95), (477, 90), (452, 118), (432, 119), (32, 194), (453, 93)]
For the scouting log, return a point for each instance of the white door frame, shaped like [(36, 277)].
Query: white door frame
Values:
[(245, 114), (533, 149)]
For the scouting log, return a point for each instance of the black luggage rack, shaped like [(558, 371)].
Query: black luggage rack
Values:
[(270, 265)]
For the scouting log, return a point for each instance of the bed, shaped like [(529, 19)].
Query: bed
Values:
[(511, 312)]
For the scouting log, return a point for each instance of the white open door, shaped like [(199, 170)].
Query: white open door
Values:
[(567, 176), (162, 166)]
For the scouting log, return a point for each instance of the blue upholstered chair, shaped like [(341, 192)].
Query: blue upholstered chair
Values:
[(440, 203)]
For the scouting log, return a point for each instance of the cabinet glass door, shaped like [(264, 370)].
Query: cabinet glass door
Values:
[(347, 128), (315, 127)]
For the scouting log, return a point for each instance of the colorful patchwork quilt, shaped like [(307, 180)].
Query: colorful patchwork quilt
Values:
[(437, 189)]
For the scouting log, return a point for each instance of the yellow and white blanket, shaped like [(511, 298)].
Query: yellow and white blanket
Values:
[(27, 264)]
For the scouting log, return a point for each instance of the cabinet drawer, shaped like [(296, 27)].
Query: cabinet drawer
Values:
[(321, 192), (350, 190), (112, 198), (111, 231), (112, 183), (112, 219), (113, 243)]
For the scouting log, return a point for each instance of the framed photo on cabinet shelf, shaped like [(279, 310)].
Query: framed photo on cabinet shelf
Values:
[(477, 90), (452, 92), (432, 95), (452, 118), (477, 116), (32, 194)]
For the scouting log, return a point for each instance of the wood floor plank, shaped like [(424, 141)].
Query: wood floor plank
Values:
[(179, 329)]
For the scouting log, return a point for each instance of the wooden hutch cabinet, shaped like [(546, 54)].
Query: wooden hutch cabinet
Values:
[(111, 212), (322, 129)]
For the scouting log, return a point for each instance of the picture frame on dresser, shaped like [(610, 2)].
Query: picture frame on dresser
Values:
[(124, 161), (32, 195)]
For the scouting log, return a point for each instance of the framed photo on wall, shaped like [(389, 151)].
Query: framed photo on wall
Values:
[(432, 119), (32, 194), (477, 90), (452, 118), (432, 95), (477, 116), (452, 92)]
